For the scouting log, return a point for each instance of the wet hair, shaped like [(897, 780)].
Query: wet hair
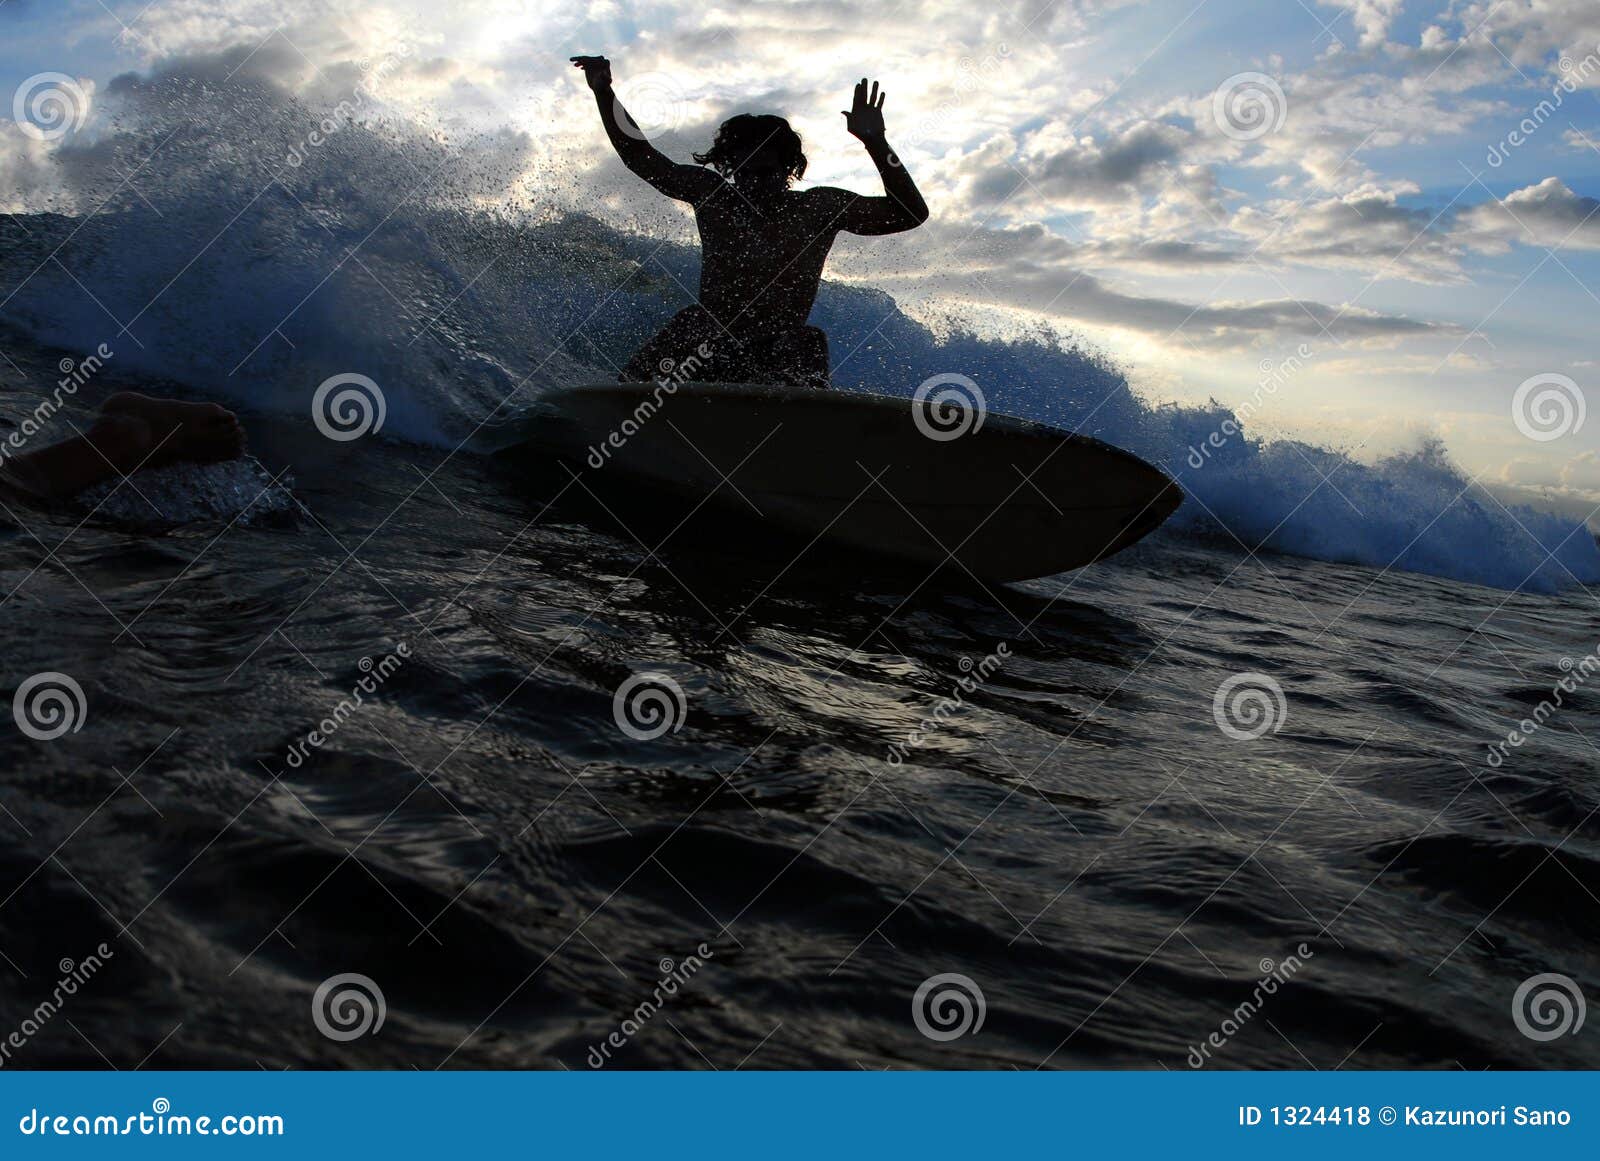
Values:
[(741, 137)]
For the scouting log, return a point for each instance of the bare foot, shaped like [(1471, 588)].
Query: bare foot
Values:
[(202, 432)]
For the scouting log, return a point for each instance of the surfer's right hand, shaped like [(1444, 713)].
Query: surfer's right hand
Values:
[(596, 70)]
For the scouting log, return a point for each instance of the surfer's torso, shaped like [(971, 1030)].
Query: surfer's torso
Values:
[(761, 261)]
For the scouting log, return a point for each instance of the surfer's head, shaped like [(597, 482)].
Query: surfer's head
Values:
[(756, 149)]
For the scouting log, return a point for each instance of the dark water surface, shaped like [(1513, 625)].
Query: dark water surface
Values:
[(482, 840)]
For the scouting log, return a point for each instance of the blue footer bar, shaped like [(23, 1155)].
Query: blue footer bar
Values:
[(659, 1115)]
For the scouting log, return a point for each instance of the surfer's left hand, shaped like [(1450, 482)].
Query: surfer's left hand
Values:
[(864, 118)]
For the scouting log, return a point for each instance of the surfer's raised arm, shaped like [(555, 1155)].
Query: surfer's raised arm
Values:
[(901, 207), (685, 182)]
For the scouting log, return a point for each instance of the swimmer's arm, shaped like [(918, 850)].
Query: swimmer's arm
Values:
[(685, 182)]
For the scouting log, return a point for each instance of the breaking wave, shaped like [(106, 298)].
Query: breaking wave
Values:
[(231, 237)]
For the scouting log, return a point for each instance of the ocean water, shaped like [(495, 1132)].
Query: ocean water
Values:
[(1239, 784)]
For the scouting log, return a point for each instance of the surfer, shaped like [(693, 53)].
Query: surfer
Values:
[(131, 432), (763, 244)]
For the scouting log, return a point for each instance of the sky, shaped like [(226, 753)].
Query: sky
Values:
[(1396, 199)]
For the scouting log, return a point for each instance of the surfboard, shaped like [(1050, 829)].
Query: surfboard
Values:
[(1000, 497)]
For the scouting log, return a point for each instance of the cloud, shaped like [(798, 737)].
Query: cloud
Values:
[(1163, 256), (1053, 170), (1546, 214), (1030, 268), (1538, 33), (1366, 230), (1533, 42), (1372, 18), (273, 62), (1582, 471), (1338, 120)]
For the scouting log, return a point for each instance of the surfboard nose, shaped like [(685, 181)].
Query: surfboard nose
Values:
[(1139, 523)]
